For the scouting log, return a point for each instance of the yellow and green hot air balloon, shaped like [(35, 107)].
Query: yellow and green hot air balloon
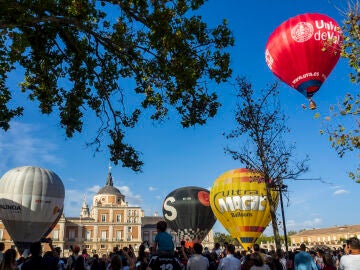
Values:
[(239, 201)]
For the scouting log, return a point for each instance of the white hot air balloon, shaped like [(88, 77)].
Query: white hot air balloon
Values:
[(31, 203)]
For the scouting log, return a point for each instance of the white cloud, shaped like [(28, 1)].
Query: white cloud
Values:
[(72, 203), (132, 199), (94, 189), (340, 191), (292, 224), (19, 146), (152, 188)]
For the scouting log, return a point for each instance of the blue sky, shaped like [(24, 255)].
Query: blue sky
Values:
[(176, 157)]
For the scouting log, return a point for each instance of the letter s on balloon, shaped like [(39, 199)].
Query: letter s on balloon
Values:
[(170, 209)]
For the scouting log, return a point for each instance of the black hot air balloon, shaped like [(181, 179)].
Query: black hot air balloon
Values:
[(187, 211)]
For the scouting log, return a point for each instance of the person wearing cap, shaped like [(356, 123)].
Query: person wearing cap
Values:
[(303, 260)]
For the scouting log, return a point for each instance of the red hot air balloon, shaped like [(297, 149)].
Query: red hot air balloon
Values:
[(303, 50)]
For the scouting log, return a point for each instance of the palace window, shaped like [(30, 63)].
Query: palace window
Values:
[(71, 234), (103, 235), (118, 235), (103, 217), (55, 235), (118, 218), (88, 235)]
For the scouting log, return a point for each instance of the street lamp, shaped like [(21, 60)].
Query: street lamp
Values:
[(280, 188)]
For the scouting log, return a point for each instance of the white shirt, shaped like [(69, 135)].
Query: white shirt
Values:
[(197, 262), (350, 262), (230, 262)]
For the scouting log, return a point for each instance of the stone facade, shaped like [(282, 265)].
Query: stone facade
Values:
[(333, 236)]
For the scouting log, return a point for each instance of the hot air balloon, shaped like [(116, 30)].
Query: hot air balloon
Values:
[(303, 50), (239, 201), (31, 201), (187, 211)]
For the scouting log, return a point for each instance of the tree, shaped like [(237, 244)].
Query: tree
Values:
[(221, 238), (347, 138), (259, 118), (89, 55)]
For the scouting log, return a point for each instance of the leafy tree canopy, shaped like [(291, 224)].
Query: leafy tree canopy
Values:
[(78, 56), (346, 138)]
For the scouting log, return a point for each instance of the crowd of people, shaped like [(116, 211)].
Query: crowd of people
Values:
[(164, 256)]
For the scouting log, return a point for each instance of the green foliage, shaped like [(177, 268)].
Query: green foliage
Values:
[(78, 57), (221, 238), (292, 233), (351, 42), (347, 138)]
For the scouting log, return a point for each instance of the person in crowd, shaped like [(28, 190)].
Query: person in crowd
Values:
[(230, 262), (130, 251), (163, 240), (335, 258), (290, 260), (197, 261), (282, 259), (86, 257), (142, 259), (303, 260), (160, 261), (258, 263), (115, 263), (319, 259), (217, 249), (96, 263), (247, 262), (352, 260), (274, 261), (72, 260), (35, 260), (50, 260), (256, 249), (2, 248), (223, 253), (61, 263), (213, 261), (9, 260), (328, 262)]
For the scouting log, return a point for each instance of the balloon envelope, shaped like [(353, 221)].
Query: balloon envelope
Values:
[(187, 211), (31, 201), (303, 50), (239, 201)]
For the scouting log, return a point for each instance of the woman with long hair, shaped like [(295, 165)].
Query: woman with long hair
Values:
[(9, 260)]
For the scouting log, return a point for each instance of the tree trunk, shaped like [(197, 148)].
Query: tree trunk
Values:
[(273, 206)]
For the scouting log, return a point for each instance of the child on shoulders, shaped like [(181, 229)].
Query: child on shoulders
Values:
[(164, 244)]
